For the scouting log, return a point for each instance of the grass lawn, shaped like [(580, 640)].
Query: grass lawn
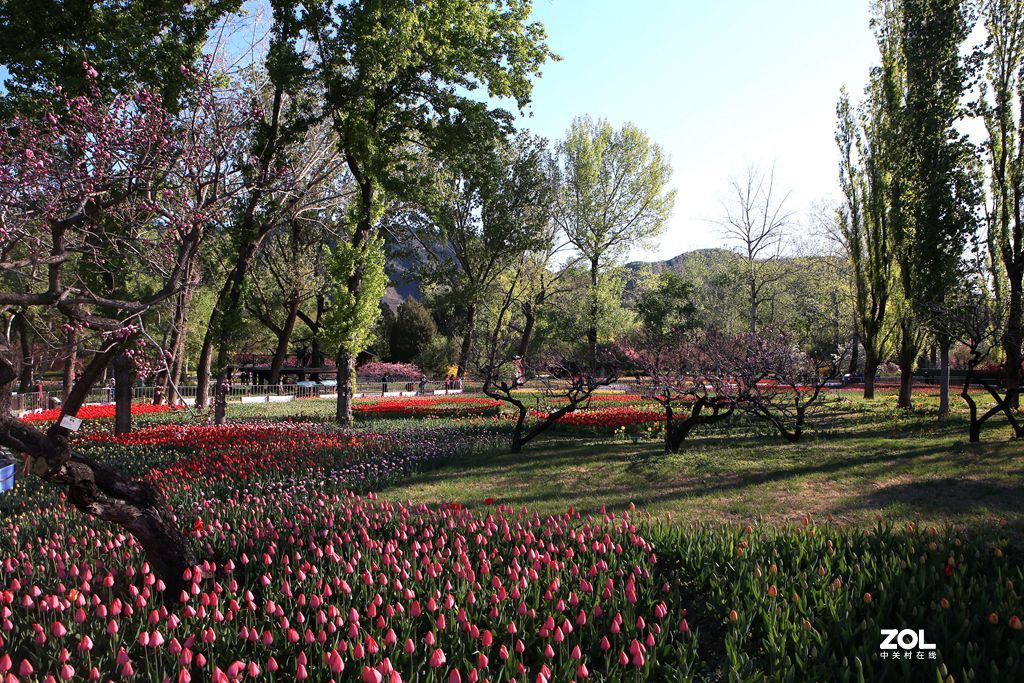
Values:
[(876, 460)]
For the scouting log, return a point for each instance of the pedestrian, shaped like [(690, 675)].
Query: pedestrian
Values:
[(423, 385), (384, 381)]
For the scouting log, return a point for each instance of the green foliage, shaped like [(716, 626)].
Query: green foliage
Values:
[(614, 188), (809, 603), (666, 307), (394, 70), (565, 320), (438, 356), (483, 208), (131, 44), (350, 316), (412, 331)]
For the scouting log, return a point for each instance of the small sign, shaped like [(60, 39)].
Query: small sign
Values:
[(71, 423)]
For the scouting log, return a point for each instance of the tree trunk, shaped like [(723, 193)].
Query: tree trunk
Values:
[(871, 362), (220, 399), (27, 358), (170, 375), (907, 360), (346, 373), (70, 360), (592, 328), (123, 377), (855, 351), (283, 340), (753, 306), (203, 371), (944, 379), (529, 321), (1012, 336), (467, 339), (670, 445)]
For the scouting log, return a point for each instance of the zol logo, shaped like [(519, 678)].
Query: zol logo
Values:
[(908, 643)]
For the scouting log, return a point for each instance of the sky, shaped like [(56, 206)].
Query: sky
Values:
[(719, 84)]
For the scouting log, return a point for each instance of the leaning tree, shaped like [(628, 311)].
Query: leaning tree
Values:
[(84, 188)]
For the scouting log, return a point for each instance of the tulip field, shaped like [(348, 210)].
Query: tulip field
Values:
[(384, 554)]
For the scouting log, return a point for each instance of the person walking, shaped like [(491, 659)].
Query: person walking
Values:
[(384, 383)]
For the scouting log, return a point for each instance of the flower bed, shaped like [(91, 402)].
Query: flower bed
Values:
[(427, 406), (313, 584), (96, 412), (607, 418)]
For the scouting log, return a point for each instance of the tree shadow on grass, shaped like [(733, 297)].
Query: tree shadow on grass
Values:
[(947, 495)]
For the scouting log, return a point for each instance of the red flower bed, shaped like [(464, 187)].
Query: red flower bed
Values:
[(237, 452), (96, 412), (422, 406), (608, 418)]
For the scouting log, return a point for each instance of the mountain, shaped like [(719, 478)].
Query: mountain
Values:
[(680, 264)]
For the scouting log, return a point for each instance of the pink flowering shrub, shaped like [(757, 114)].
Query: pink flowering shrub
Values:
[(377, 370)]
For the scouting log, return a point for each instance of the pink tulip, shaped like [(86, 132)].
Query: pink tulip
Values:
[(437, 658), (334, 662)]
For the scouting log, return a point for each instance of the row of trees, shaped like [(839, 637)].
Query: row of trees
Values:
[(931, 219), (121, 198)]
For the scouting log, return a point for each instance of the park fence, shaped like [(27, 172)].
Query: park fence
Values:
[(249, 393)]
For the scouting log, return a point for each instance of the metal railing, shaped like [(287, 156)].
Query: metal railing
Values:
[(44, 400)]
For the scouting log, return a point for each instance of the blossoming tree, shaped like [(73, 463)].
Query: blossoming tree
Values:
[(103, 206)]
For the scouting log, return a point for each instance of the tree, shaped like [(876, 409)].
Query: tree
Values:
[(293, 172), (1004, 59), (133, 44), (613, 193), (862, 224), (88, 184), (774, 379), (286, 276), (756, 220), (412, 331), (350, 316), (482, 211), (942, 188), (933, 192), (974, 318), (394, 73), (668, 349)]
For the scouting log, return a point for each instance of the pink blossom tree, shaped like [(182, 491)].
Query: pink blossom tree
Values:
[(103, 207)]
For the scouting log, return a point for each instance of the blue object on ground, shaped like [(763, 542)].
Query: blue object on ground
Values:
[(6, 478)]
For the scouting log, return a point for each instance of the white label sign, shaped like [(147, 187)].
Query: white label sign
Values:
[(70, 423)]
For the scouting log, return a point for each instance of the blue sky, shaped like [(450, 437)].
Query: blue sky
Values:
[(720, 84)]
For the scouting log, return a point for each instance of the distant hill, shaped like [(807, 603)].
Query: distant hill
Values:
[(401, 267), (680, 264)]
